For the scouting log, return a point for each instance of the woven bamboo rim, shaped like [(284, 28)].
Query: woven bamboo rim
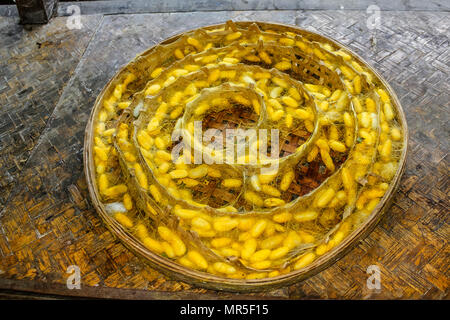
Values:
[(178, 272)]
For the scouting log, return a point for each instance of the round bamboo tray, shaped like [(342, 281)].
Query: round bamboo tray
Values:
[(202, 279)]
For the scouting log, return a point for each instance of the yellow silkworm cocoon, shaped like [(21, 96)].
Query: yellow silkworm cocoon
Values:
[(184, 261), (289, 120), (276, 115), (342, 102), (304, 216), (396, 134), (319, 54), (273, 202), (260, 255), (306, 237), (333, 132), (144, 139), (185, 213), (124, 105), (357, 84), (286, 181), (233, 36), (223, 267), (275, 104), (258, 228), (228, 74), (282, 217), (141, 231), (155, 73), (179, 72), (280, 82), (275, 93), (109, 132), (213, 75), (357, 104), (271, 191), (240, 99), (370, 105), (220, 242), (256, 106), (304, 260), (283, 65), (336, 94), (372, 204), (323, 105), (260, 265), (265, 57), (347, 72), (153, 245), (293, 92), (302, 114), (197, 259), (347, 179), (100, 168), (248, 248), (292, 240), (118, 91), (365, 120), (177, 244), (103, 116), (168, 250), (287, 41), (223, 224), (178, 54), (178, 174), (325, 197), (327, 160), (272, 242), (155, 193), (386, 150), (337, 146), (267, 177), (348, 120), (253, 198), (368, 139), (163, 155), (153, 89), (200, 223), (289, 101), (374, 193), (278, 253), (388, 112), (101, 153), (383, 95), (198, 172), (312, 87), (141, 177), (123, 220), (103, 183), (232, 183), (252, 58), (312, 154), (115, 190), (194, 42)]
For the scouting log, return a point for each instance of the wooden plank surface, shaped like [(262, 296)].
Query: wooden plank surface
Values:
[(47, 222)]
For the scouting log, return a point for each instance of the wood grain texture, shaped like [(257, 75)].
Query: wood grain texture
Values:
[(48, 222)]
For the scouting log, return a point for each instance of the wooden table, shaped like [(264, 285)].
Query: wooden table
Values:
[(50, 77)]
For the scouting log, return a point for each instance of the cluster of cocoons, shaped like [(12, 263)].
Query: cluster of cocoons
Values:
[(340, 135)]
